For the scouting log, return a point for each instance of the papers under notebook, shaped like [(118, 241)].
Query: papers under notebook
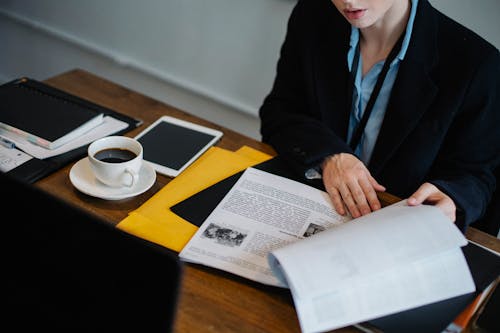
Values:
[(395, 259), (109, 126)]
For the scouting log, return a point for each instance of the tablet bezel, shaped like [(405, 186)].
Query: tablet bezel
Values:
[(168, 171)]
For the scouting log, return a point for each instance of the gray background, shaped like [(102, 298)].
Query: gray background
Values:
[(212, 58)]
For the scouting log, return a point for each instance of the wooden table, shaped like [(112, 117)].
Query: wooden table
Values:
[(210, 300)]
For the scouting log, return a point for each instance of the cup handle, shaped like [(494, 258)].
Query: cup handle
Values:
[(134, 177)]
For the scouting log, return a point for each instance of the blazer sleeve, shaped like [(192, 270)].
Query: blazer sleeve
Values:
[(472, 151)]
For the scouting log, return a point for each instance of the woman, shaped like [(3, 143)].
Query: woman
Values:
[(430, 134)]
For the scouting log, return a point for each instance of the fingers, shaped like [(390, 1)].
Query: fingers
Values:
[(448, 208), (422, 194), (359, 199), (370, 193), (430, 194), (338, 204), (376, 186), (350, 185), (349, 200)]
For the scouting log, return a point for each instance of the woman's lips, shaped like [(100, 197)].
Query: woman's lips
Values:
[(354, 14)]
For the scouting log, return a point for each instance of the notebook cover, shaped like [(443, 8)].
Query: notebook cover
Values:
[(44, 115), (435, 317), (196, 208), (36, 169)]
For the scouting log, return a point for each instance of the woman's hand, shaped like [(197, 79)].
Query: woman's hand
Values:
[(430, 194), (350, 185)]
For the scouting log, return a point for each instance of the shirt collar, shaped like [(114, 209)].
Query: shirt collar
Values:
[(354, 40)]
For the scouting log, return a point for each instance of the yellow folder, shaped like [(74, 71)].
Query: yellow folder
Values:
[(155, 222)]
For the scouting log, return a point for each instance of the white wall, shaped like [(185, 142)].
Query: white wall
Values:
[(213, 58)]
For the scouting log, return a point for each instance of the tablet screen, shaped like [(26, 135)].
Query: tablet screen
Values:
[(171, 144)]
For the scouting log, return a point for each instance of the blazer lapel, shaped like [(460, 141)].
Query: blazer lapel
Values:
[(413, 91), (410, 99), (331, 75)]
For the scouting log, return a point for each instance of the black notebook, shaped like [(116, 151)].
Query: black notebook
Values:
[(196, 208), (42, 118), (33, 99)]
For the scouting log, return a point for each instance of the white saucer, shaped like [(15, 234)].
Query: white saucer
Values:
[(83, 179)]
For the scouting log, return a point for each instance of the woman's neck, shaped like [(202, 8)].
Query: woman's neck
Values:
[(377, 40)]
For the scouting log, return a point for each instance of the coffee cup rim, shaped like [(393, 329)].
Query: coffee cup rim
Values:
[(137, 149)]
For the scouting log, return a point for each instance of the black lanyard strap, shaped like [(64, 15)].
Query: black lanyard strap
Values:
[(358, 132)]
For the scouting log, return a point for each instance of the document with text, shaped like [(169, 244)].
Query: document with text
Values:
[(262, 212), (340, 270)]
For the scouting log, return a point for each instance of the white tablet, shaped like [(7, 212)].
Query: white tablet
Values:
[(171, 144)]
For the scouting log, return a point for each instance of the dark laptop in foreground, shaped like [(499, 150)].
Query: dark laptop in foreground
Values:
[(67, 271)]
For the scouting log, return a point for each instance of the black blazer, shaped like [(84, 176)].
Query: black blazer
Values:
[(442, 119)]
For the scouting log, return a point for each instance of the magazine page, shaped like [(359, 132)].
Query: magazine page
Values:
[(260, 213), (394, 259)]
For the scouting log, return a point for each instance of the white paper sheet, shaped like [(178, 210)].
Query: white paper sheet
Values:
[(260, 213), (392, 260), (11, 158), (109, 126)]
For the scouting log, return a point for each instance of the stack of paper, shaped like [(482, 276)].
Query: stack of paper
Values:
[(109, 126)]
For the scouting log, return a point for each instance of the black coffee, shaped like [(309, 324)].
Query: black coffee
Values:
[(115, 155)]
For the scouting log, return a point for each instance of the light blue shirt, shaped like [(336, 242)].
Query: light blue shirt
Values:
[(363, 87)]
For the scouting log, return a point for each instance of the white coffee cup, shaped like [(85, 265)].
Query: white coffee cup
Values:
[(116, 160)]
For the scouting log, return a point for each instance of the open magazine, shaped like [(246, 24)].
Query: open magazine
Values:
[(340, 270)]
